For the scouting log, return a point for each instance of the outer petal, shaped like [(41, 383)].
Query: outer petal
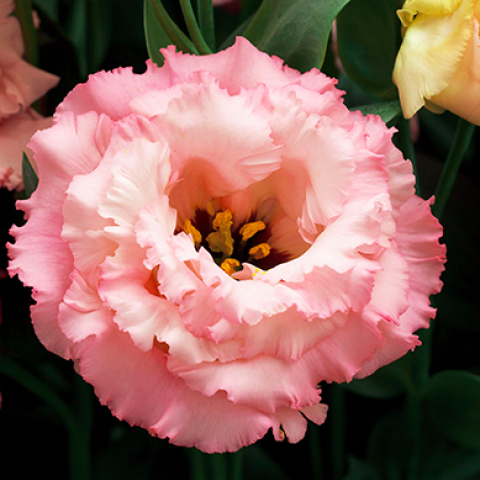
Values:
[(418, 233), (122, 376), (40, 257), (431, 52), (111, 92), (240, 66), (263, 382)]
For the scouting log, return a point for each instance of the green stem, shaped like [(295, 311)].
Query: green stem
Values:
[(193, 28), (407, 148), (219, 466), (84, 406), (23, 11), (414, 415), (314, 447), (461, 141), (197, 464), (206, 21), (171, 29), (79, 454), (236, 465), (337, 426)]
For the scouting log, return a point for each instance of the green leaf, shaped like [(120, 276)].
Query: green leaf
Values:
[(30, 178), (23, 11), (451, 400), (175, 34), (444, 459), (386, 110), (295, 30), (359, 470), (368, 33), (389, 446), (193, 28), (155, 35), (207, 22)]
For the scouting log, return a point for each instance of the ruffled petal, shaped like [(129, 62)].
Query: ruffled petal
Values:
[(122, 376), (61, 152), (110, 93), (241, 66), (242, 152), (263, 382), (417, 237)]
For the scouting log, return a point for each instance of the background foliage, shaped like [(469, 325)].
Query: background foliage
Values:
[(418, 418)]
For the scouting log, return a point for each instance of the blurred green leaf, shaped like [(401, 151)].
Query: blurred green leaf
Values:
[(155, 35), (386, 110), (360, 470), (89, 27), (295, 30), (258, 465), (389, 446), (99, 32), (49, 7), (444, 459), (368, 34), (130, 454), (387, 382), (30, 178), (451, 400)]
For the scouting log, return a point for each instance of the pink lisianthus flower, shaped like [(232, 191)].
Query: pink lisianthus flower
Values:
[(212, 239), (20, 85)]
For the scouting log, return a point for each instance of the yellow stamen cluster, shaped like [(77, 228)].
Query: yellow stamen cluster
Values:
[(230, 266), (250, 229), (260, 251), (190, 229), (221, 241)]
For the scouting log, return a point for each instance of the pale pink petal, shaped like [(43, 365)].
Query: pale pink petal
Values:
[(341, 355), (111, 92), (122, 377), (241, 66), (316, 413), (262, 382), (418, 234), (325, 183), (81, 313), (287, 335), (62, 151), (243, 152)]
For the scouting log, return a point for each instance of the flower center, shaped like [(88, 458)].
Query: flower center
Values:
[(228, 248)]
